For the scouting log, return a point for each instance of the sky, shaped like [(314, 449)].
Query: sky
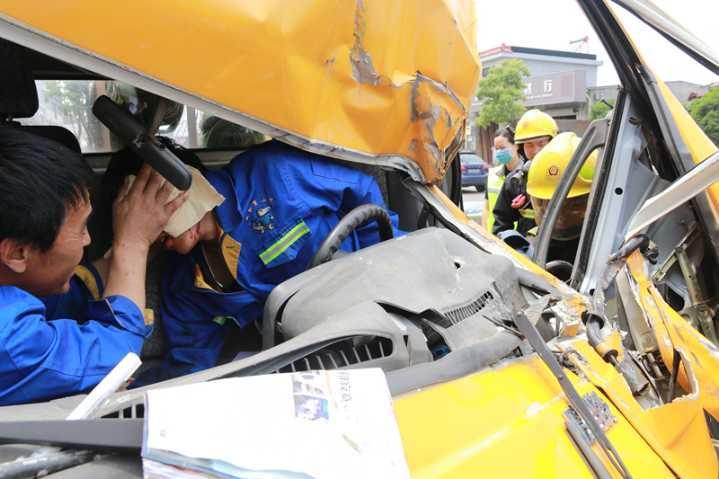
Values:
[(554, 23)]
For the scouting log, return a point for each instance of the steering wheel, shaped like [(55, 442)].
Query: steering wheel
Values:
[(350, 222)]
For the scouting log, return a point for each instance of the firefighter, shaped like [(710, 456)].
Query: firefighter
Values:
[(513, 210), (543, 179)]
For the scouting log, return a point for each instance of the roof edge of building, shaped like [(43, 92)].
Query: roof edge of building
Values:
[(504, 48)]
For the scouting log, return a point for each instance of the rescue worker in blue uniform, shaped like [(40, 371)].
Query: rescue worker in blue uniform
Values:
[(60, 332), (280, 204)]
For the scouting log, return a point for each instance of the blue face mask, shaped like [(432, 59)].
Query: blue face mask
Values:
[(503, 156)]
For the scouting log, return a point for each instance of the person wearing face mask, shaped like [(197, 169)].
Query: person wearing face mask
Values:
[(512, 210), (543, 179), (506, 160)]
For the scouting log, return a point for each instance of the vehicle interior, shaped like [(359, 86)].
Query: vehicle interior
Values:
[(315, 320), (441, 302), (336, 314)]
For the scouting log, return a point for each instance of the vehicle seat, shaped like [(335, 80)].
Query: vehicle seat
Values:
[(18, 96), (397, 196)]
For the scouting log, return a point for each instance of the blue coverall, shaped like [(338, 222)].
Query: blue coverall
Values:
[(64, 344), (280, 204)]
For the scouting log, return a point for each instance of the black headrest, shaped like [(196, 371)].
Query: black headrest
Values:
[(18, 94), (56, 133)]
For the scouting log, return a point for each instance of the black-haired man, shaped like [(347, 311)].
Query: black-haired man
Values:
[(44, 193)]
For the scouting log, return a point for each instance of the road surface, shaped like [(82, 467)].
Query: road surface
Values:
[(473, 203)]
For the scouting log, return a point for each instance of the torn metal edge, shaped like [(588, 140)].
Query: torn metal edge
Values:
[(362, 68)]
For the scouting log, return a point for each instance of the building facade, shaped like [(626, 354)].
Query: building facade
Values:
[(684, 91), (560, 83), (558, 80)]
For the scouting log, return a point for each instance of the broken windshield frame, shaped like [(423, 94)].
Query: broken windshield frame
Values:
[(675, 33), (682, 190), (640, 84)]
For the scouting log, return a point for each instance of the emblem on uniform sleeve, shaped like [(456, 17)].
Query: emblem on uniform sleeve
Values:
[(260, 215)]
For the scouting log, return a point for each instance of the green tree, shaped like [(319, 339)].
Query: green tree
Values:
[(501, 93), (705, 111), (600, 109), (70, 101)]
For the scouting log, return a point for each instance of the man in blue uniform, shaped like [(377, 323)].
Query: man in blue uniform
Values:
[(67, 343), (280, 204)]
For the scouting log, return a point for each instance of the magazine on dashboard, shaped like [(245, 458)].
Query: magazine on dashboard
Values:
[(312, 424)]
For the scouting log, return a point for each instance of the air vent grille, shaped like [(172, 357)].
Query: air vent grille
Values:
[(461, 313), (342, 355), (135, 411)]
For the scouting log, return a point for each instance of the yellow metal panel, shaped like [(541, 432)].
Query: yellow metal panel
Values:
[(506, 422), (698, 143), (388, 78), (672, 331), (677, 431)]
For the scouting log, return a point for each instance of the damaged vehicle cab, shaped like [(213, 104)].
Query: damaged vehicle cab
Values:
[(614, 374)]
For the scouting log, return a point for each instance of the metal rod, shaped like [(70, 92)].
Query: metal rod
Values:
[(673, 378), (575, 400), (575, 432)]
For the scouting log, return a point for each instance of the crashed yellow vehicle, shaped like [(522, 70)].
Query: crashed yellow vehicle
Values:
[(496, 367)]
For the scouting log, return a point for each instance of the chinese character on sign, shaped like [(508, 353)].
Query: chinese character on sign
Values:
[(547, 86), (528, 89)]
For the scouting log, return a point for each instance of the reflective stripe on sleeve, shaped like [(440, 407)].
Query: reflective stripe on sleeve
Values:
[(281, 245)]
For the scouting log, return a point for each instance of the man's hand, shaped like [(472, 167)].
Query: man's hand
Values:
[(142, 211)]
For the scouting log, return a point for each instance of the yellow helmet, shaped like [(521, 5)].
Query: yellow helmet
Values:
[(548, 167), (534, 124)]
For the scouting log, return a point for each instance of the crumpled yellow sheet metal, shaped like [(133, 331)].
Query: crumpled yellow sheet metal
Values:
[(677, 431), (672, 332), (387, 82), (508, 421)]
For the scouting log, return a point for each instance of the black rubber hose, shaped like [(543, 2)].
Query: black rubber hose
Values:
[(350, 222), (594, 325), (560, 269)]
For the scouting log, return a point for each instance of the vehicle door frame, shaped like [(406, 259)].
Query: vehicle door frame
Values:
[(641, 90)]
